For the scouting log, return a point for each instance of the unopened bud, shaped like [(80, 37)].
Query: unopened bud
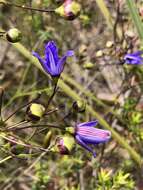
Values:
[(109, 44), (64, 145), (47, 139), (88, 65), (35, 112), (69, 10), (99, 53), (79, 106), (13, 35)]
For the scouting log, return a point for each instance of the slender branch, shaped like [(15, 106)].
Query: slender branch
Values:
[(21, 107), (52, 95), (17, 124), (26, 8), (5, 159), (11, 115), (51, 111), (24, 144), (33, 126)]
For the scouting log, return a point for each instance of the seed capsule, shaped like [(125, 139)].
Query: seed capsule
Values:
[(64, 145), (69, 10), (13, 35), (35, 112)]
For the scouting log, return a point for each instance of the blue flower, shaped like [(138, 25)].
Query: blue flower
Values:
[(52, 64), (134, 58), (86, 135)]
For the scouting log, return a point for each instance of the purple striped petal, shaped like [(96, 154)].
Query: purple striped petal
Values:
[(88, 124), (93, 135), (52, 46)]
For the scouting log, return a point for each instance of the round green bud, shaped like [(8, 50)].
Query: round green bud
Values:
[(13, 35), (35, 111)]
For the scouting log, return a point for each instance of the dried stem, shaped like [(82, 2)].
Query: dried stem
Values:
[(27, 8)]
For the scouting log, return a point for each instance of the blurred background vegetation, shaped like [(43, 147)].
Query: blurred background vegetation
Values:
[(101, 36)]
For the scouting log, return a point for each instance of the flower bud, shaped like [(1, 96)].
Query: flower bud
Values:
[(79, 106), (47, 139), (88, 65), (64, 145), (13, 35), (35, 112), (69, 10), (109, 44)]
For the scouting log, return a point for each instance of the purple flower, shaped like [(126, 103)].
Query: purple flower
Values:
[(134, 58), (52, 63), (87, 135)]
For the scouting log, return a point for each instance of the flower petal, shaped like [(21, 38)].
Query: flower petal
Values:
[(42, 61), (52, 46), (138, 53), (62, 61), (84, 145), (93, 135), (88, 124), (134, 58)]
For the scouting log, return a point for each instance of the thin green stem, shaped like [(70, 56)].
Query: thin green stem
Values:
[(1, 102), (34, 126), (22, 94), (101, 4), (5, 159), (52, 95), (107, 15), (135, 17), (82, 90), (21, 107)]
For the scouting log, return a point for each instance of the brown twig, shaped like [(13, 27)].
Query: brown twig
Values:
[(27, 8)]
